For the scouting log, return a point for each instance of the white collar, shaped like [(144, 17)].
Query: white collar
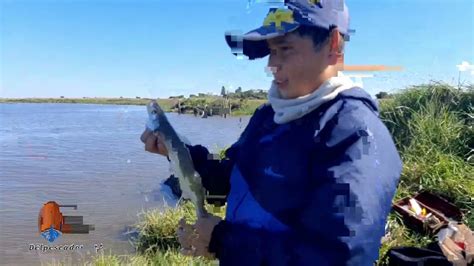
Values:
[(287, 110)]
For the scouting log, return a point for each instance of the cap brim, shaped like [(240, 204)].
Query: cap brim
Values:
[(253, 44)]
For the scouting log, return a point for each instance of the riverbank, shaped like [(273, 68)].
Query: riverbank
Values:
[(244, 107), (166, 103)]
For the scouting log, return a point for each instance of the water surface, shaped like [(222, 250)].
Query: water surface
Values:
[(89, 155)]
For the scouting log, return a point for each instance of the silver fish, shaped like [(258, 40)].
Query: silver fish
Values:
[(178, 153)]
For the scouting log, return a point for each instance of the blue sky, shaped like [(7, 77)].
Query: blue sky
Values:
[(105, 48)]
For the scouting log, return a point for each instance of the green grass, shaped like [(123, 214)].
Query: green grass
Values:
[(432, 126), (167, 257), (245, 107), (448, 113), (158, 228), (398, 236), (248, 107), (157, 242)]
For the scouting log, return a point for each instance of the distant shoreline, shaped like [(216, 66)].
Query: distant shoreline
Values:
[(130, 101), (166, 104)]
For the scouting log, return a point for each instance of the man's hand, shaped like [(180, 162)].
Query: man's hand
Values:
[(196, 242), (152, 143)]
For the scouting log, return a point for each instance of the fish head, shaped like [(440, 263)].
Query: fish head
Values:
[(154, 112)]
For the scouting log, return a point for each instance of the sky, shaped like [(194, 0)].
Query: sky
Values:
[(157, 48)]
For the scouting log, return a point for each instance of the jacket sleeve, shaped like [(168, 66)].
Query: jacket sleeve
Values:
[(342, 222), (215, 173)]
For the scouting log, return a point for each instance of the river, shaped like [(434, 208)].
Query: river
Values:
[(89, 155)]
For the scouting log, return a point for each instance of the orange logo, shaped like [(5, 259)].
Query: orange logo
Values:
[(52, 224)]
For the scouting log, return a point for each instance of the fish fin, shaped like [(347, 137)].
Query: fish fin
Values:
[(179, 201)]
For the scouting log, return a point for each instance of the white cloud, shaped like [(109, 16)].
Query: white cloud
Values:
[(465, 66)]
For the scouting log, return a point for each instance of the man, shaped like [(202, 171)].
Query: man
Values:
[(311, 179)]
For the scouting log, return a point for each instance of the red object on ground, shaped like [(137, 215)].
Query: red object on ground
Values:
[(461, 245)]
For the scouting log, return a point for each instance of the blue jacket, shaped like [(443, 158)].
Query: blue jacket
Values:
[(314, 191)]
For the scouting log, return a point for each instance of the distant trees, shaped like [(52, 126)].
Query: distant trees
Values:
[(382, 95), (238, 94), (177, 97), (244, 95), (254, 94)]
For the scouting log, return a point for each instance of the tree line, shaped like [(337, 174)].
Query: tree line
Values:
[(254, 94)]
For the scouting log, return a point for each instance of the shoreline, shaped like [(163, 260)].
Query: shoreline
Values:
[(166, 104), (125, 101)]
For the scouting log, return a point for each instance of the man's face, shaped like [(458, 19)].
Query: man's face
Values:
[(297, 68)]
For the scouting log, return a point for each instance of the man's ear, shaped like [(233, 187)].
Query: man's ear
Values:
[(336, 57)]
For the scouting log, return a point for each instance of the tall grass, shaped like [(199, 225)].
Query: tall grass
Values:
[(432, 126), (442, 114)]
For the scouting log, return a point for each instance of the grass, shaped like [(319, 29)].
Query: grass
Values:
[(158, 228), (167, 257), (157, 242), (240, 107), (399, 236), (432, 126), (248, 107), (443, 110)]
